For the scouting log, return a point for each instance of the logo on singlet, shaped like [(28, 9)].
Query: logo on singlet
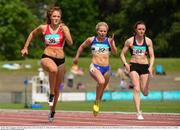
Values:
[(52, 39), (100, 48), (139, 50)]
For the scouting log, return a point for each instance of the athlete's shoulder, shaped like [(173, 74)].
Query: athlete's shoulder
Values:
[(91, 38), (64, 26), (109, 38), (129, 40), (148, 40), (88, 41), (42, 27), (39, 29)]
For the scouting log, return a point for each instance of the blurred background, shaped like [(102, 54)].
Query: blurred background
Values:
[(19, 17)]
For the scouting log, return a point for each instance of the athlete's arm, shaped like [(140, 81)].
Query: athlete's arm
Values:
[(113, 45), (67, 35), (151, 54), (31, 36), (123, 52), (85, 44)]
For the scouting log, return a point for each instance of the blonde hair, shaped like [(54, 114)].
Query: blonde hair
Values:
[(102, 24)]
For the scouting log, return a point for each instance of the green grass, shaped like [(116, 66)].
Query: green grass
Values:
[(115, 106), (171, 65)]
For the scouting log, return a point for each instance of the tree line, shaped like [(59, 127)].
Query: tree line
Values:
[(19, 17)]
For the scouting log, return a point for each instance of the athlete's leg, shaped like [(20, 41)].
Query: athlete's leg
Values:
[(135, 81), (106, 77), (59, 80), (144, 83), (49, 66), (99, 78)]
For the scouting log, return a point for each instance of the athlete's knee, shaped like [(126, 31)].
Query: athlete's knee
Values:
[(136, 89), (53, 70), (101, 82)]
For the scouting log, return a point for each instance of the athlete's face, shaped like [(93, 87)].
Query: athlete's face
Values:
[(102, 31), (55, 17), (140, 30)]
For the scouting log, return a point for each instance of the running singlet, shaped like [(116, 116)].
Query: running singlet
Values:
[(100, 47), (54, 39), (140, 50)]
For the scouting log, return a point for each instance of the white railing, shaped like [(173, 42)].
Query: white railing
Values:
[(40, 89)]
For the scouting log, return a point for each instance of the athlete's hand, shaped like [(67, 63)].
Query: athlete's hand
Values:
[(112, 39), (150, 72), (24, 52), (64, 27), (127, 66), (75, 60)]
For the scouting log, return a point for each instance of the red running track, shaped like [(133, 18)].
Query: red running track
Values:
[(62, 118)]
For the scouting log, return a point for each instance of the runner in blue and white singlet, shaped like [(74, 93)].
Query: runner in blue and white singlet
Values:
[(101, 46)]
